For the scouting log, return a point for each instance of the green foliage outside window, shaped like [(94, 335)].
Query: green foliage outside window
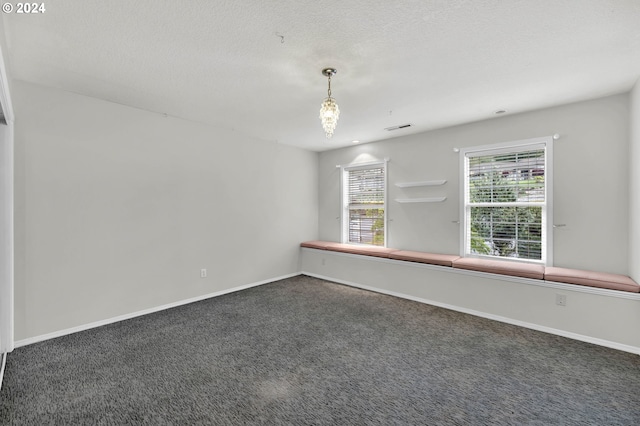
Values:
[(505, 231), (378, 226)]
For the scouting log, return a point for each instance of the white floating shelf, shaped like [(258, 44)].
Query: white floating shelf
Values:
[(421, 200), (423, 183)]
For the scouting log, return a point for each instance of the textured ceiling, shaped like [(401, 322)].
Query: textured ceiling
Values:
[(254, 66)]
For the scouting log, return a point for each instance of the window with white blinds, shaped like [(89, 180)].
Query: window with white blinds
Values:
[(507, 193), (364, 204)]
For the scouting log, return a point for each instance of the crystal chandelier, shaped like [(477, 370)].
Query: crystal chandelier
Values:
[(329, 111)]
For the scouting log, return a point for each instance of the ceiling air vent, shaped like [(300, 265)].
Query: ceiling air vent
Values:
[(402, 126)]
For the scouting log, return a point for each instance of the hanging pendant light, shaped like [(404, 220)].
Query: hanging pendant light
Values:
[(329, 111)]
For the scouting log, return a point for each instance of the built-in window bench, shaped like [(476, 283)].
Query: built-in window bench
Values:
[(502, 267), (595, 307)]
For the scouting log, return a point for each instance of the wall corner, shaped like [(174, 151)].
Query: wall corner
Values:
[(634, 183)]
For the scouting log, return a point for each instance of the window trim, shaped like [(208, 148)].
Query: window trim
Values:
[(547, 221), (344, 202)]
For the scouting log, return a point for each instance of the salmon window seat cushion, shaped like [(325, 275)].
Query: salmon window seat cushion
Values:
[(503, 267), (591, 279), (350, 248), (418, 256)]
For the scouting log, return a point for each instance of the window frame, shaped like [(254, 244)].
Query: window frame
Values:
[(344, 198), (547, 207)]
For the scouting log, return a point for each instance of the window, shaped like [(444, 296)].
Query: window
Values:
[(507, 201), (364, 196)]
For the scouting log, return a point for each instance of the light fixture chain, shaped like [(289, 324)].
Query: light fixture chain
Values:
[(329, 91)]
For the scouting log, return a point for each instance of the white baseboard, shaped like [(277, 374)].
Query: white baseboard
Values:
[(60, 333), (557, 332)]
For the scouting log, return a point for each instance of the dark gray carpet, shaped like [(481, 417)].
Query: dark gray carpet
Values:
[(305, 351)]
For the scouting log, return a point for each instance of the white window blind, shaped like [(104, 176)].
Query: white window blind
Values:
[(365, 205), (506, 202)]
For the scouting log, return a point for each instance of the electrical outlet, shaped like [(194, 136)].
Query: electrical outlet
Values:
[(561, 300), (203, 273)]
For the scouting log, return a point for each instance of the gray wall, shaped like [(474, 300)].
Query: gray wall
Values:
[(591, 181), (6, 204), (118, 209), (6, 236), (634, 182)]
